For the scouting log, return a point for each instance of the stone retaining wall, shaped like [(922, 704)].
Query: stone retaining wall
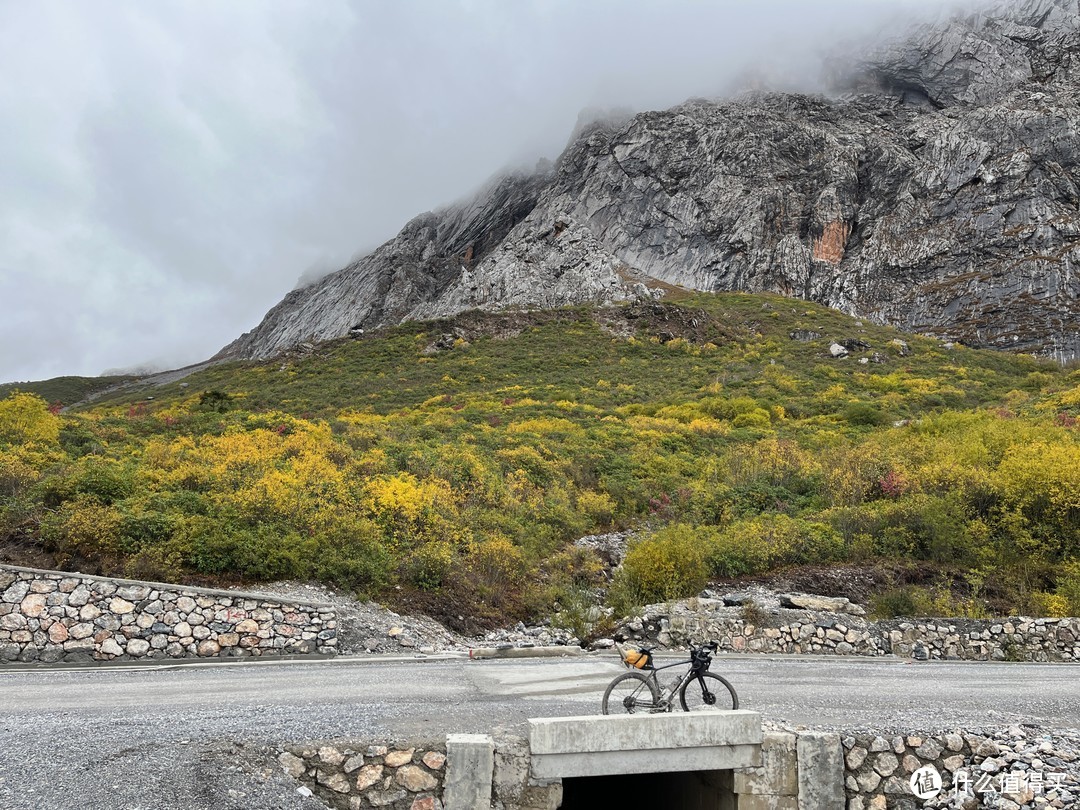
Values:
[(355, 777), (1008, 769), (1012, 639), (795, 631), (351, 775), (877, 770), (51, 616)]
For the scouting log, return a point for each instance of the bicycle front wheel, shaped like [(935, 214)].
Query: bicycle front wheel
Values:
[(630, 693), (708, 691)]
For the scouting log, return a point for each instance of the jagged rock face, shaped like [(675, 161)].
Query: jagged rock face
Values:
[(944, 202), (979, 58)]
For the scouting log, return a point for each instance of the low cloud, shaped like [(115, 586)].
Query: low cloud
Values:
[(171, 169)]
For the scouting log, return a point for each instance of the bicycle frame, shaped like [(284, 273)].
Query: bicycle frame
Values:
[(668, 694)]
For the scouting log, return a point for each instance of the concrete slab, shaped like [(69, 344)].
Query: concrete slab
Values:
[(470, 763), (652, 760), (749, 801), (478, 653), (778, 773), (821, 771), (564, 735), (567, 747)]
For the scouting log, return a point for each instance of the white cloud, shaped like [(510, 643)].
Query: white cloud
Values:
[(168, 170)]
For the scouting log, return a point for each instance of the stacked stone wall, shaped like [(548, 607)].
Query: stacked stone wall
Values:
[(1008, 769), (807, 632), (360, 776), (1011, 639), (50, 616)]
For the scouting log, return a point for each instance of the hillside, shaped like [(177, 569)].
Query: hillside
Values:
[(447, 465), (65, 390), (935, 190)]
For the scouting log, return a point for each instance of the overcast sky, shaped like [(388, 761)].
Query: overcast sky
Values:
[(169, 170)]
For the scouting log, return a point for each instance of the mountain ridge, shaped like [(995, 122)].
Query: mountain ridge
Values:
[(938, 196)]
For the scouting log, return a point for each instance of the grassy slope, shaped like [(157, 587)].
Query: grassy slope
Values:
[(637, 416), (563, 355), (65, 390)]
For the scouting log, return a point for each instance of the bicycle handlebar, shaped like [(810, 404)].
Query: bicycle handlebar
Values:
[(711, 646)]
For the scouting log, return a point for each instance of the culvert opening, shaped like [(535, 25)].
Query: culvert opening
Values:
[(687, 790)]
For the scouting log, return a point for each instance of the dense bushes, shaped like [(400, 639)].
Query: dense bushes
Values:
[(461, 476)]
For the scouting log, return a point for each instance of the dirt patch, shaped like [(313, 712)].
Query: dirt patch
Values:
[(665, 322), (855, 582), (860, 582), (25, 552), (459, 607), (666, 290), (647, 320)]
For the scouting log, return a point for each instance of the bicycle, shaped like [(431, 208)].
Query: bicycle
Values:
[(636, 691)]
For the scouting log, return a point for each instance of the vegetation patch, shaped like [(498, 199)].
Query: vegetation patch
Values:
[(452, 473)]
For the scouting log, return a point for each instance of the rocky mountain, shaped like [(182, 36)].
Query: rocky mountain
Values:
[(935, 190)]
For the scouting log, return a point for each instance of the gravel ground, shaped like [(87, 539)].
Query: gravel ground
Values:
[(205, 736), (157, 766)]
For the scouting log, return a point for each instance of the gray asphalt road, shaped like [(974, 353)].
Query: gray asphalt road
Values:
[(205, 736)]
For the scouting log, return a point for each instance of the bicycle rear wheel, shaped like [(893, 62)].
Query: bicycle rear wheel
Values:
[(708, 691), (630, 693)]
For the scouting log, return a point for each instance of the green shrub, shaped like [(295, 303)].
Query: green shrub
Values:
[(155, 563), (757, 418), (104, 479), (912, 601), (1046, 605), (427, 566), (863, 413), (766, 541), (351, 555), (928, 527), (265, 552), (497, 569), (1068, 587), (83, 527), (26, 419), (214, 401), (142, 528), (895, 603), (670, 564)]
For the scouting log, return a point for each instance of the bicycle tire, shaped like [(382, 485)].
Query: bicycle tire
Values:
[(697, 694), (628, 689)]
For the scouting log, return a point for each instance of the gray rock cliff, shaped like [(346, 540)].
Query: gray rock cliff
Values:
[(938, 193)]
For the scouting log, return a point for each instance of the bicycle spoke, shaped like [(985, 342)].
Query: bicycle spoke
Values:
[(632, 693), (709, 692)]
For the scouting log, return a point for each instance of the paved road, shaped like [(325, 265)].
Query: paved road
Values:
[(204, 736)]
